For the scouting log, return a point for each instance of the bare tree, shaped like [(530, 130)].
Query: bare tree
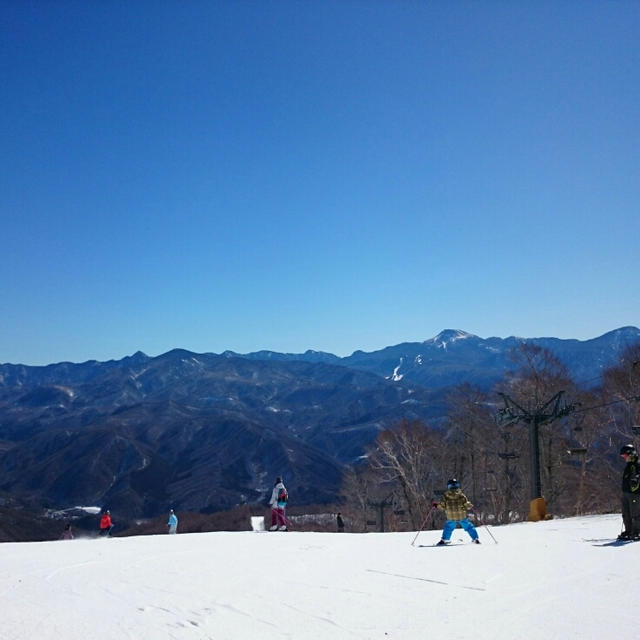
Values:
[(511, 487), (357, 487), (473, 433), (622, 385), (588, 471), (409, 456)]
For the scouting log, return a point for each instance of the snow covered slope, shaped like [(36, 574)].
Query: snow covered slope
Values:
[(558, 579)]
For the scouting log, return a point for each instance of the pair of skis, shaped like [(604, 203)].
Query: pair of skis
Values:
[(433, 506), (450, 543)]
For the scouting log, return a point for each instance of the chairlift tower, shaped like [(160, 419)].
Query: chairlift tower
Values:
[(546, 413), (381, 504)]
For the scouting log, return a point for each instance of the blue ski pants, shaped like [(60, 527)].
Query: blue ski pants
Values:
[(450, 525)]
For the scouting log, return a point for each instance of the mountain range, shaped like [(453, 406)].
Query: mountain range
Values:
[(205, 432), (454, 356)]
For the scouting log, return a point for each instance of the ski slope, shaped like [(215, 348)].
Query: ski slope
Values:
[(556, 579)]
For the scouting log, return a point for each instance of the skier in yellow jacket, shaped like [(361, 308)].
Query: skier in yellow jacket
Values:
[(455, 505)]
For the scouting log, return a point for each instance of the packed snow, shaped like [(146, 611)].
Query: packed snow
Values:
[(555, 579)]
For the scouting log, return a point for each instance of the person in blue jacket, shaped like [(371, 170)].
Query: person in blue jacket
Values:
[(173, 522)]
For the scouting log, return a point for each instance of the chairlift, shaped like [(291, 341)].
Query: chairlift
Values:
[(577, 448), (574, 451)]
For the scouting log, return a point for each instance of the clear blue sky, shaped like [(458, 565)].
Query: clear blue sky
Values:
[(333, 175)]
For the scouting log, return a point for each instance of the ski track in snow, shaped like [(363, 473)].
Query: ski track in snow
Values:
[(446, 584)]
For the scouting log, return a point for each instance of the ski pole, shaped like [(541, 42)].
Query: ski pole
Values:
[(482, 524), (433, 506)]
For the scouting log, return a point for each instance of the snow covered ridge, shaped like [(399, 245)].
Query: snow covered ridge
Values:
[(306, 586), (447, 337), (441, 341), (454, 356)]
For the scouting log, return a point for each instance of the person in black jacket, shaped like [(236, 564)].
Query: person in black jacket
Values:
[(630, 493)]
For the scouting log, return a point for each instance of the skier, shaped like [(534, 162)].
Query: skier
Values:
[(105, 524), (630, 494), (455, 505), (173, 522), (340, 523), (278, 503), (67, 534)]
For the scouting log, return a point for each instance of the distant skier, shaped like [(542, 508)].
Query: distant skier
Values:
[(67, 534), (105, 524), (173, 522), (455, 505), (340, 523), (278, 503), (630, 494)]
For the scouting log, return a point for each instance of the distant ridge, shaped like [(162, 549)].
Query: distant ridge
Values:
[(454, 356)]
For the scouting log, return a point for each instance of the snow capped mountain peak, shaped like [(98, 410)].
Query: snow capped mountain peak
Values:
[(447, 337)]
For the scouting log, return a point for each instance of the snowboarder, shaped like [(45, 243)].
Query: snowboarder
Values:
[(455, 505), (278, 503), (630, 494), (105, 524), (173, 522), (340, 523)]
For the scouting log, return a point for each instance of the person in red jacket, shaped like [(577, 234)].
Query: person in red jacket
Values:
[(105, 523)]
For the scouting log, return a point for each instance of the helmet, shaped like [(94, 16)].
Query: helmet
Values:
[(628, 448), (453, 484), (278, 479)]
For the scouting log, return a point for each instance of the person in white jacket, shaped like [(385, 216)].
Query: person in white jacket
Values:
[(278, 503)]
